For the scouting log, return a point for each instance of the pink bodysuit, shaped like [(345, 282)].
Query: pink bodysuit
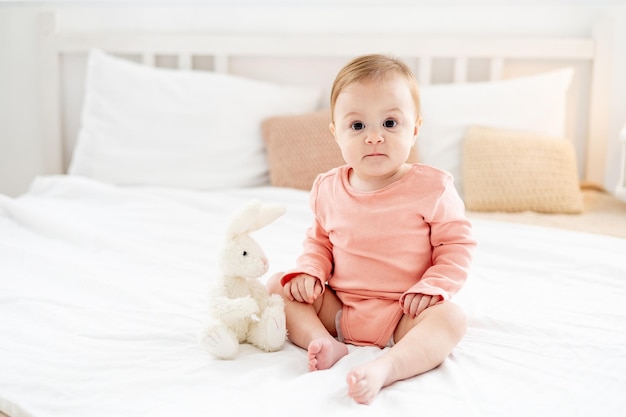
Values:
[(372, 248)]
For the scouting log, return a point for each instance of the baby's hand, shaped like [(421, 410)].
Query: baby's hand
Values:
[(414, 304), (303, 288)]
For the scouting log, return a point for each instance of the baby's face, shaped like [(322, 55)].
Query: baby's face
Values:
[(375, 124)]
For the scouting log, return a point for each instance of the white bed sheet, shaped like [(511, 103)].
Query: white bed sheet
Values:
[(102, 298)]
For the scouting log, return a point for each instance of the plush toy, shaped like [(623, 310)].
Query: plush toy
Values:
[(241, 309)]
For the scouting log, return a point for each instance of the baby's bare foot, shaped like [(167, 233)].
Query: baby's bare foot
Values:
[(324, 353), (366, 381)]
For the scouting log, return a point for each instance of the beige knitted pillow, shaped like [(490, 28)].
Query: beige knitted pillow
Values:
[(511, 171), (300, 147)]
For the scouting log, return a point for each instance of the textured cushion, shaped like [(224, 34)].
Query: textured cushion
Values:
[(300, 147), (509, 171), (535, 104), (190, 129)]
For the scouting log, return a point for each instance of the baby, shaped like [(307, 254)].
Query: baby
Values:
[(390, 243)]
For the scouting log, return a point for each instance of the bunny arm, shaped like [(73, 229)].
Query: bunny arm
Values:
[(259, 292), (230, 309)]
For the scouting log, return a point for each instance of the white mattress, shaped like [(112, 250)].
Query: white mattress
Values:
[(102, 298)]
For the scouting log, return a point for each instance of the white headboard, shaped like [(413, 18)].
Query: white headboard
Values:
[(316, 59)]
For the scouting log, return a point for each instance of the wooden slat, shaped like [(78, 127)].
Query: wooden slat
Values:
[(50, 105), (460, 70), (148, 58), (496, 68), (185, 61), (598, 132), (425, 70), (221, 63)]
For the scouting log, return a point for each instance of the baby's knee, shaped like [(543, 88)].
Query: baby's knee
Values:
[(273, 284), (457, 319)]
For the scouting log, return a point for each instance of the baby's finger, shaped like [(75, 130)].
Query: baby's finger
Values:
[(295, 291), (301, 295), (309, 287), (319, 288), (423, 304), (287, 291), (410, 305), (434, 300)]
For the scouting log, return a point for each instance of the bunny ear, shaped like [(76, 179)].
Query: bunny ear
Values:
[(253, 216), (267, 214)]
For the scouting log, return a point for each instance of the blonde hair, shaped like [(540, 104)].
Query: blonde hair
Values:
[(375, 67)]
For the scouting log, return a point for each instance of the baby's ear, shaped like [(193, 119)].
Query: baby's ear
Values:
[(331, 127), (418, 125)]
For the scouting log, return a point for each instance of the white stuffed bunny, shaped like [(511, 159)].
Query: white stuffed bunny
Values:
[(241, 308)]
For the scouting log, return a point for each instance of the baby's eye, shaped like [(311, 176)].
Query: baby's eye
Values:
[(357, 126), (390, 123)]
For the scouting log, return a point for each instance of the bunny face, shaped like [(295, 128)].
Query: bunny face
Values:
[(242, 256)]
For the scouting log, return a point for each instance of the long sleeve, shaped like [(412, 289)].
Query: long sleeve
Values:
[(452, 246), (317, 257)]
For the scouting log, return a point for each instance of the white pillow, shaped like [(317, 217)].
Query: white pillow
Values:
[(192, 129), (535, 104)]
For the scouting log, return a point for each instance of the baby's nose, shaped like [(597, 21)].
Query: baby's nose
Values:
[(374, 137)]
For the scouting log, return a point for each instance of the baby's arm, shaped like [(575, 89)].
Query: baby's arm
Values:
[(303, 288), (452, 245)]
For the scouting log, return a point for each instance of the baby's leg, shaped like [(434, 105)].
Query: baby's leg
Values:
[(422, 344), (312, 327)]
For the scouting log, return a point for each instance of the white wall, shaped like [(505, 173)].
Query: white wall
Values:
[(20, 138)]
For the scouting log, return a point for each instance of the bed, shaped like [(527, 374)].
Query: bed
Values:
[(105, 261)]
